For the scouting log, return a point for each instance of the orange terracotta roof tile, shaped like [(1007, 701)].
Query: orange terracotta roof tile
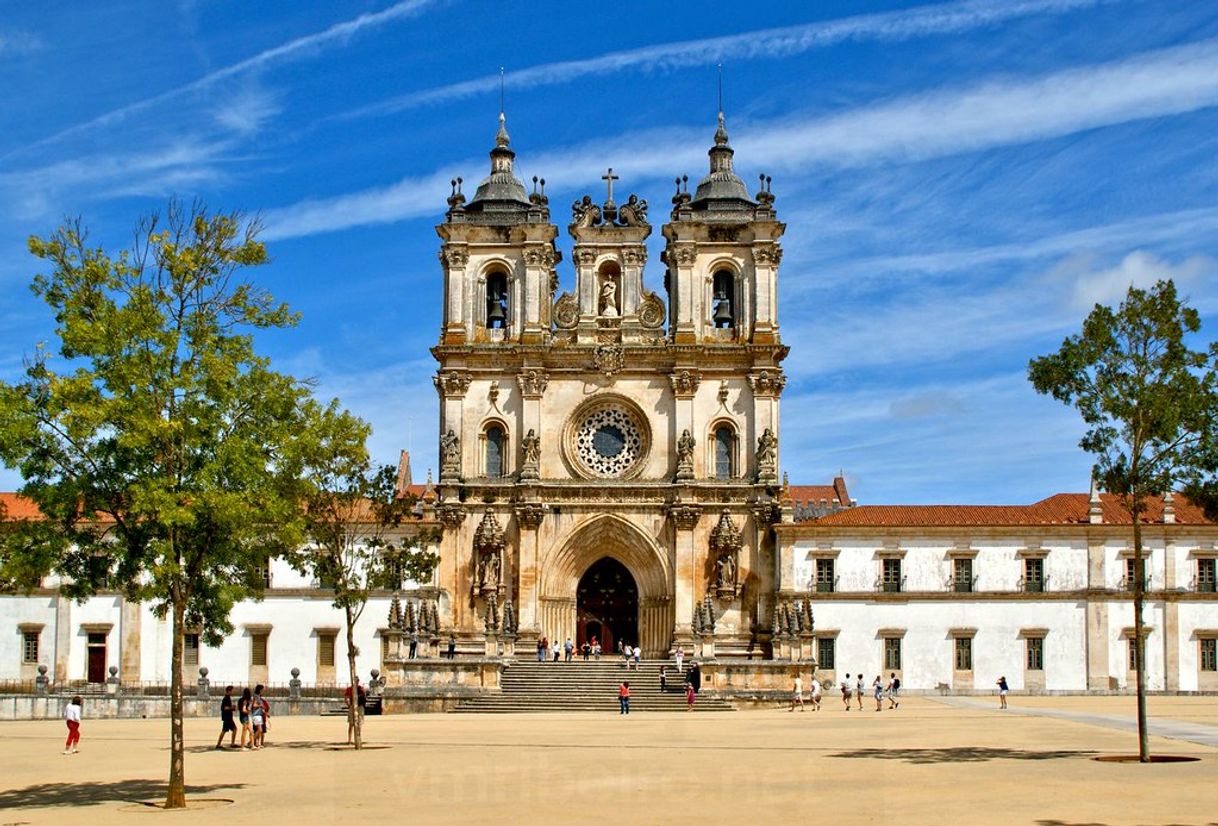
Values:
[(1059, 509), (16, 506)]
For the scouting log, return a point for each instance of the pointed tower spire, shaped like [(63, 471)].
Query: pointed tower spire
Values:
[(1095, 513)]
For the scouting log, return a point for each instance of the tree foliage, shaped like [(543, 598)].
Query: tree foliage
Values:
[(355, 534), (1150, 404), (154, 440)]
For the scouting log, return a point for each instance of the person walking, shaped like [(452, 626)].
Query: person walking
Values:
[(452, 645), (543, 646), (690, 694), (585, 649), (71, 716), (623, 697), (638, 657), (257, 718), (568, 649), (596, 650), (894, 690), (877, 688), (663, 679), (1002, 692), (243, 714), (227, 724), (680, 655), (797, 693), (846, 691), (816, 693), (859, 688), (555, 649)]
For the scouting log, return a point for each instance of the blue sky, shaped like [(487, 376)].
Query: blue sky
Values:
[(961, 182)]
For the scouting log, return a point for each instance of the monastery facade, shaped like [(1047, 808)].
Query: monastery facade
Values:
[(610, 468)]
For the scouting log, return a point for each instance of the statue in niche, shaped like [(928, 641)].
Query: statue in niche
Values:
[(531, 445), (488, 577), (450, 453), (726, 565), (685, 455), (608, 297), (767, 455)]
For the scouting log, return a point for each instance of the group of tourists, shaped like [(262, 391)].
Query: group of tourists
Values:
[(693, 678), (879, 690), (589, 649), (252, 711)]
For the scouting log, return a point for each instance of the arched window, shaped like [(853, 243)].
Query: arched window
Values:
[(723, 300), (496, 301), (725, 449), (494, 450)]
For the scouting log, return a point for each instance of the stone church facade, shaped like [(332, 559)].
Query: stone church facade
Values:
[(609, 456), (609, 467)]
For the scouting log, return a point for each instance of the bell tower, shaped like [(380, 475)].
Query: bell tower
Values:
[(722, 256), (498, 257)]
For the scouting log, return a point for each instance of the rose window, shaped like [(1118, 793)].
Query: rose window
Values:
[(608, 442)]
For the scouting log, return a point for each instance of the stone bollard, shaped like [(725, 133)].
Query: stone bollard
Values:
[(294, 685), (42, 683), (112, 680), (204, 684)]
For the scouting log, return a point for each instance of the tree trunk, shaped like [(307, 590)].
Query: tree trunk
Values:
[(175, 798), (1139, 642), (354, 718)]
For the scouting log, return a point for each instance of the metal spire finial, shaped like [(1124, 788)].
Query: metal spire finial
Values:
[(720, 91), (501, 82)]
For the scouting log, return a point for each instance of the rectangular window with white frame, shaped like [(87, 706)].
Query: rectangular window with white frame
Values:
[(1207, 575), (1034, 653), (826, 650), (1209, 653), (964, 653), (892, 653)]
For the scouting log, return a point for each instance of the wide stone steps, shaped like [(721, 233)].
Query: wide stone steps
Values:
[(530, 686)]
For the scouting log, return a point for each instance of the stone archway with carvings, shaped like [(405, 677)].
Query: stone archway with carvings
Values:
[(600, 536)]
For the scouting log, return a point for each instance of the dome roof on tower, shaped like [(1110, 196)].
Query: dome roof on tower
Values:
[(722, 188), (500, 192)]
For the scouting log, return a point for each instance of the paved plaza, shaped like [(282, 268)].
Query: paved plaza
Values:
[(935, 760)]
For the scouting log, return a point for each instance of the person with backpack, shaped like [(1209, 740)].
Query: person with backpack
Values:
[(227, 724)]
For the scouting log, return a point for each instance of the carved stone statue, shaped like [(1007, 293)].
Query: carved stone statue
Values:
[(767, 457), (531, 444), (450, 455), (488, 576), (634, 212), (609, 298), (685, 455), (726, 565), (584, 213)]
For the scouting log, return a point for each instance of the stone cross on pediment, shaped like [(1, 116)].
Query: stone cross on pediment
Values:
[(609, 178)]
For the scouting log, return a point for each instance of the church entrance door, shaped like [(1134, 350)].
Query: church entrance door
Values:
[(607, 606)]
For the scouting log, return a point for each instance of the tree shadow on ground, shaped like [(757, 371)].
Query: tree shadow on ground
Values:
[(968, 754), (87, 793)]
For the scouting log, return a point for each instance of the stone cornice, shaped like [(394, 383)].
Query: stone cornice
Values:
[(793, 532)]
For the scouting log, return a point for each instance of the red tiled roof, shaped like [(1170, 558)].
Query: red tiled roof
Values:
[(1059, 509), (16, 506), (836, 492)]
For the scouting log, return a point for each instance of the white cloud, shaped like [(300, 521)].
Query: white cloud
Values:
[(947, 18), (19, 43), (1108, 285), (988, 115), (339, 33)]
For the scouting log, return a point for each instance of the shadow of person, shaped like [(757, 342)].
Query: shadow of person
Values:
[(964, 754)]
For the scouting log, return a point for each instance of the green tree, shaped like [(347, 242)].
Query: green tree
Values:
[(355, 523), (153, 444), (1150, 405)]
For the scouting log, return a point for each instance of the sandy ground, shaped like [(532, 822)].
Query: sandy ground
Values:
[(926, 763)]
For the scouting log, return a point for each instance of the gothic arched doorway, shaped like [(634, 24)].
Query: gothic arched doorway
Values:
[(607, 605)]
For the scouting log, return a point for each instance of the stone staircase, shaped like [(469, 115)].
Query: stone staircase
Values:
[(528, 685)]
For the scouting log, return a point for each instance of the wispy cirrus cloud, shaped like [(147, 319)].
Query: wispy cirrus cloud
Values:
[(922, 21), (339, 33), (917, 127), (19, 43)]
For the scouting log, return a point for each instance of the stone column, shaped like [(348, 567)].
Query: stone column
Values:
[(685, 520), (685, 382), (452, 386), (63, 639), (767, 386), (454, 258), (129, 642), (1097, 618), (680, 258), (528, 520), (1171, 620)]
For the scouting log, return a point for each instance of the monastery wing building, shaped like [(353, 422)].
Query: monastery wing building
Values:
[(610, 470)]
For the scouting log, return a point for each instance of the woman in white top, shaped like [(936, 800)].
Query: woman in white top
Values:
[(71, 716)]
